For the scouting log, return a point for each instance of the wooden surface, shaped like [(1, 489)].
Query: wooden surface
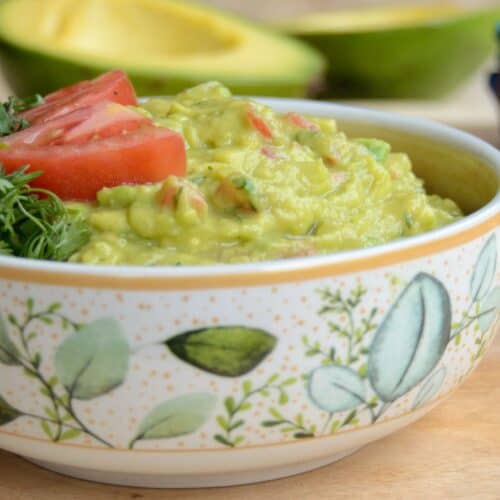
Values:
[(452, 453)]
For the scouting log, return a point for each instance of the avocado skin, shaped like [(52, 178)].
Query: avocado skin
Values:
[(411, 62), (29, 72)]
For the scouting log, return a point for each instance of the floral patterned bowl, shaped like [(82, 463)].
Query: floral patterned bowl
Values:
[(217, 375)]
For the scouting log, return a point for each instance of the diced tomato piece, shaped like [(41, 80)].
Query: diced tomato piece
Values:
[(301, 122), (104, 145), (112, 86), (174, 187), (237, 192), (331, 160), (270, 152), (259, 123)]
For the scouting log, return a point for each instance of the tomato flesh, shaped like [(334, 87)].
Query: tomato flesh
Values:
[(78, 172), (97, 146), (111, 86)]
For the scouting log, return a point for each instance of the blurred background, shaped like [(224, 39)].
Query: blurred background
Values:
[(417, 57), (272, 9)]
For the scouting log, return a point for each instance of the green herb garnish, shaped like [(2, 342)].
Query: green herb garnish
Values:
[(198, 180), (10, 121), (35, 223), (409, 220), (244, 183)]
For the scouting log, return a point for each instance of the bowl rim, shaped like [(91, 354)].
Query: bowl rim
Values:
[(294, 269)]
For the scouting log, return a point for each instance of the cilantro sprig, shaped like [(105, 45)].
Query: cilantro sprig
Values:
[(10, 121), (35, 223)]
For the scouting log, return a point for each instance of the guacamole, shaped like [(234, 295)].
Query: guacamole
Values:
[(260, 186)]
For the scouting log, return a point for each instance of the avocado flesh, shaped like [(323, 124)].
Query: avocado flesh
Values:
[(164, 45), (398, 52)]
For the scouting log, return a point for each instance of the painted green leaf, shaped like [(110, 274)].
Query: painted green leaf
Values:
[(47, 430), (93, 360), (410, 341), (70, 434), (484, 270), (430, 387), (7, 412), (222, 440), (176, 417), (229, 351), (336, 388), (489, 309), (8, 351)]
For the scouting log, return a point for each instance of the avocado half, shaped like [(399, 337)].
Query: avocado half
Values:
[(398, 52), (164, 45)]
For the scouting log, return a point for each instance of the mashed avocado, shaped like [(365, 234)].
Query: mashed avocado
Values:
[(260, 185)]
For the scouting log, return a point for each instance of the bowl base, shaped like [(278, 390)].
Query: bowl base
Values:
[(190, 481)]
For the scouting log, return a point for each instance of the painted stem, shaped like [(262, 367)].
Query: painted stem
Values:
[(327, 423), (46, 419), (469, 320), (299, 428), (84, 428), (372, 413), (242, 401), (351, 336), (71, 411), (382, 410), (30, 359), (56, 400)]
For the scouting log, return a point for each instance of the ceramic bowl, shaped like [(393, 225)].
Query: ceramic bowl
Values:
[(218, 375)]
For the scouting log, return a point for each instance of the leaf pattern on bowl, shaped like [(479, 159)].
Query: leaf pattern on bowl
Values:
[(489, 309), (430, 388), (176, 417), (484, 270), (336, 388), (228, 351), (9, 354), (93, 360), (371, 362), (412, 338)]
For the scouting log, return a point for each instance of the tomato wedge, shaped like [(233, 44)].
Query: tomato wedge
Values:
[(98, 146), (111, 86), (102, 120)]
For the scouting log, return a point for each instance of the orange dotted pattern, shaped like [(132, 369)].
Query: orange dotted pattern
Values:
[(288, 311)]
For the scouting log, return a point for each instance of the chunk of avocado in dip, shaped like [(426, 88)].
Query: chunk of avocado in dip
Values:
[(260, 185)]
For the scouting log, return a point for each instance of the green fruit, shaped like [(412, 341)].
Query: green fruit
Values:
[(164, 45), (417, 52)]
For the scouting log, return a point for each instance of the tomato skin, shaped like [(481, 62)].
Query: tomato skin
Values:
[(111, 86), (104, 119), (78, 172)]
